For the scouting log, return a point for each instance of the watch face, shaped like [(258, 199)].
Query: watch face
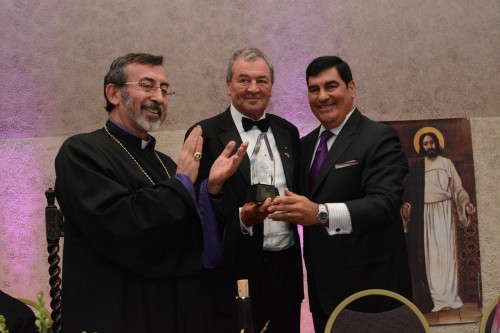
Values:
[(322, 217)]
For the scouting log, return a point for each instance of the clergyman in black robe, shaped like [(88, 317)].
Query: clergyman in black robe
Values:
[(134, 241)]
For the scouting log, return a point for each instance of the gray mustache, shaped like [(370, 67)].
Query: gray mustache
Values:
[(152, 106)]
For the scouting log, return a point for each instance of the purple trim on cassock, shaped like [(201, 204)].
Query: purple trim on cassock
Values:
[(126, 130), (212, 248), (122, 127), (184, 179), (212, 242)]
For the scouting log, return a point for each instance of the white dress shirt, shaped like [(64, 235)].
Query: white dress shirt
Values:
[(338, 215), (277, 234)]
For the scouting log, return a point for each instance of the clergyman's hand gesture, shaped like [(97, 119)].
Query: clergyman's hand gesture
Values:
[(225, 166), (189, 159)]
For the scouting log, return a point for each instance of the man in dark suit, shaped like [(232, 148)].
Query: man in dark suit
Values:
[(352, 179), (265, 252)]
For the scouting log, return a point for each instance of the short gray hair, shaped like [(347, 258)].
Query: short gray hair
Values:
[(248, 54)]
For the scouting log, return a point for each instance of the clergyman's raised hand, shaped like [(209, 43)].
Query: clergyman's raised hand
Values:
[(189, 159), (225, 166)]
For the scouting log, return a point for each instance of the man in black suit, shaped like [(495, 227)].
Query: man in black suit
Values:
[(265, 252), (353, 239)]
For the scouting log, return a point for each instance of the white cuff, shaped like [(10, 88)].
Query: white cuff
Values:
[(339, 218), (244, 229)]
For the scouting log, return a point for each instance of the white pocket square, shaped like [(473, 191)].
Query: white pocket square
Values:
[(345, 164)]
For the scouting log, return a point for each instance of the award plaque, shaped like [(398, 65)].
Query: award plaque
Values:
[(262, 172)]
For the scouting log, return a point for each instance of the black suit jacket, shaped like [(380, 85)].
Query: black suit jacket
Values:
[(370, 184), (243, 254)]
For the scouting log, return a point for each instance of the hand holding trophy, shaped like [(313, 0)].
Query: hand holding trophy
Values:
[(262, 172)]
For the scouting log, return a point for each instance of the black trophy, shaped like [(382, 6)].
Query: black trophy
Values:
[(262, 172)]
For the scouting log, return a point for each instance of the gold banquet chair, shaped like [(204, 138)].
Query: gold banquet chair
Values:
[(54, 224), (488, 316), (405, 318)]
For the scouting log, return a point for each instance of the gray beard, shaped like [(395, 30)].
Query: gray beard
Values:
[(148, 124)]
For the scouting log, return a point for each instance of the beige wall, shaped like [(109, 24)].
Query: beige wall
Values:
[(411, 60)]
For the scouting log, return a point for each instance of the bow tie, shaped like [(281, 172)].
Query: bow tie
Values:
[(262, 124)]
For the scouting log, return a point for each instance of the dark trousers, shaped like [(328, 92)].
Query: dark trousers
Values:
[(319, 321), (279, 301), (283, 317)]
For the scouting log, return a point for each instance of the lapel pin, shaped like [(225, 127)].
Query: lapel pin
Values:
[(286, 153)]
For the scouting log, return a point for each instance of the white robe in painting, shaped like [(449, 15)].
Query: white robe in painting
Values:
[(442, 185)]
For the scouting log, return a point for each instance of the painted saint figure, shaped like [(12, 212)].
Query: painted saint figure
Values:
[(433, 190)]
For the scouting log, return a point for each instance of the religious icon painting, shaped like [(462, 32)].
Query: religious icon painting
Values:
[(439, 216)]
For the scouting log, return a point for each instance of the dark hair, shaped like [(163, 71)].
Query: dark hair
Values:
[(421, 150), (116, 73), (321, 64), (248, 54)]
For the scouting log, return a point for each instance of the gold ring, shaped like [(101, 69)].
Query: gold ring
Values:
[(288, 214), (197, 156)]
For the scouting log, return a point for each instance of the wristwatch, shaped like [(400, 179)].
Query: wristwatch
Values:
[(322, 216)]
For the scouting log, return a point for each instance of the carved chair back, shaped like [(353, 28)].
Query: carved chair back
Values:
[(54, 223)]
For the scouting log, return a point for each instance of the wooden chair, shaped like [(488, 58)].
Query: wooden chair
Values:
[(54, 223), (405, 318)]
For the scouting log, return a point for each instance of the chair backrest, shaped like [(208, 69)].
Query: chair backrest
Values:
[(488, 316), (405, 318), (54, 223)]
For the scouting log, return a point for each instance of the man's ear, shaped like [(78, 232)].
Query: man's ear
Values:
[(113, 94), (352, 88)]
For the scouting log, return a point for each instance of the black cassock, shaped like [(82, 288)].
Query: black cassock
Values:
[(132, 251)]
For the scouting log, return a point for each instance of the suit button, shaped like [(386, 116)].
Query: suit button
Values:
[(337, 230)]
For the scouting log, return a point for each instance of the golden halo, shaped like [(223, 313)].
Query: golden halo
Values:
[(426, 130)]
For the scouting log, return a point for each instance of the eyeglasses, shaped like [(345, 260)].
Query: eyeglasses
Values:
[(149, 87)]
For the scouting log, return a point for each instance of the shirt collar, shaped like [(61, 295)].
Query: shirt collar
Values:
[(237, 115), (144, 143), (124, 134), (337, 129)]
